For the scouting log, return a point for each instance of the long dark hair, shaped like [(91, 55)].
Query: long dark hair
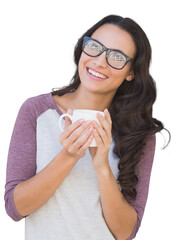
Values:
[(131, 108)]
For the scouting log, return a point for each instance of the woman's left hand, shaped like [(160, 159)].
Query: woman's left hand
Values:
[(103, 139)]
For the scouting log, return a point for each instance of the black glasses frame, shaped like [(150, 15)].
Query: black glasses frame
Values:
[(86, 38)]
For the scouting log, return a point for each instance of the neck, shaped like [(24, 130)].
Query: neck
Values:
[(83, 99)]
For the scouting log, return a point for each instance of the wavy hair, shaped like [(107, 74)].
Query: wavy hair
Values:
[(131, 108)]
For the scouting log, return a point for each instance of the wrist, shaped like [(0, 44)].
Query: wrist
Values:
[(103, 171), (67, 155)]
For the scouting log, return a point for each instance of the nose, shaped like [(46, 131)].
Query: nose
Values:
[(100, 61)]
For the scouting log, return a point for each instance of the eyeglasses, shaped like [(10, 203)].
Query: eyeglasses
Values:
[(115, 58)]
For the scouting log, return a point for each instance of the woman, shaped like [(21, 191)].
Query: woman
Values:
[(65, 189)]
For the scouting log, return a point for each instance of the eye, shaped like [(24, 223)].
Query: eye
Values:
[(117, 56), (94, 46)]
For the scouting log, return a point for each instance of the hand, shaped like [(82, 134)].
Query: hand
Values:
[(73, 140), (103, 139)]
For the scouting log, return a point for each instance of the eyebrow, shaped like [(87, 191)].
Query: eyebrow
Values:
[(113, 49)]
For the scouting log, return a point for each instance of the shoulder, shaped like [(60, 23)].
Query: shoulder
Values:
[(39, 100), (36, 105)]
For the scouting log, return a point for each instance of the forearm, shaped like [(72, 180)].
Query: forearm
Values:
[(34, 192), (120, 217)]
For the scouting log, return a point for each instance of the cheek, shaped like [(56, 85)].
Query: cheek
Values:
[(118, 75), (82, 61), (80, 67)]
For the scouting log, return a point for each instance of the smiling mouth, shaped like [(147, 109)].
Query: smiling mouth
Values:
[(96, 74)]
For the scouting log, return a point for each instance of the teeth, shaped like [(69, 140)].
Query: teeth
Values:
[(96, 74)]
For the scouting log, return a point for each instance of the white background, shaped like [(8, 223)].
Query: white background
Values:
[(36, 54)]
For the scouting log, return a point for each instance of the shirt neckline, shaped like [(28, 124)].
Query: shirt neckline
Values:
[(54, 104)]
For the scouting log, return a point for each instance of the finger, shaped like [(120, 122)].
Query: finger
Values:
[(107, 116), (106, 123), (70, 129), (80, 143), (77, 132), (98, 139), (101, 132), (103, 122), (87, 144)]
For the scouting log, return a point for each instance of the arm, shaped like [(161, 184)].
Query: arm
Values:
[(123, 218), (120, 217), (21, 164), (31, 194), (25, 190)]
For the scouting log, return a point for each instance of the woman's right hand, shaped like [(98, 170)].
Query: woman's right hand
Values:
[(71, 139)]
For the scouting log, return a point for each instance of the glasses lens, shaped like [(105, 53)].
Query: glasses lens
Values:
[(116, 59), (92, 47)]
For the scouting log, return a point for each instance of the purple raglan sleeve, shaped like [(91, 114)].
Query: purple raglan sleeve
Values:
[(21, 164), (142, 188)]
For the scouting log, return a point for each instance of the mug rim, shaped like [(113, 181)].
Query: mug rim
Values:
[(87, 110)]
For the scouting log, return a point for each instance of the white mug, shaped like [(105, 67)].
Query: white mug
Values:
[(82, 114)]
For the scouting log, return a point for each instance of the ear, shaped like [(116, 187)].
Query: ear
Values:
[(130, 76)]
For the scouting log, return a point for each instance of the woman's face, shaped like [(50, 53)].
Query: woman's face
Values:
[(112, 37)]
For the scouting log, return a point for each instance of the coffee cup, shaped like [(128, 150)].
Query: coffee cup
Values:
[(85, 114)]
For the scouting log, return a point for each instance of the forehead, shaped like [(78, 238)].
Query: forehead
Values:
[(114, 37)]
